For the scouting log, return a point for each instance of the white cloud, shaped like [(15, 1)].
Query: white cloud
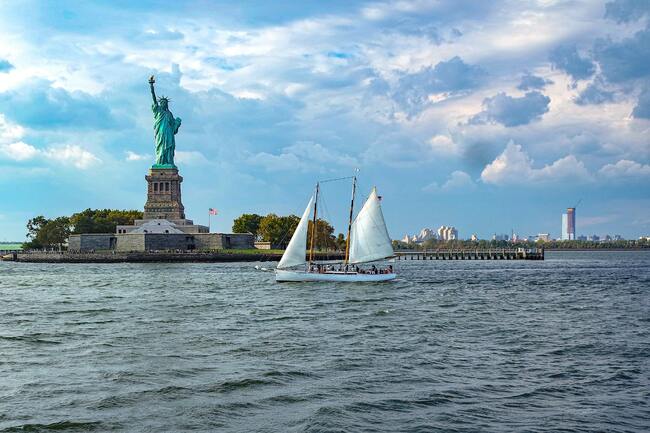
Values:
[(18, 151), (458, 180), (444, 145), (132, 156), (514, 166), (71, 154), (304, 156), (9, 132), (11, 144), (192, 157), (625, 169), (12, 147)]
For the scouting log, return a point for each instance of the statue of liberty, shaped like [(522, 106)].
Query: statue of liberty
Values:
[(165, 126)]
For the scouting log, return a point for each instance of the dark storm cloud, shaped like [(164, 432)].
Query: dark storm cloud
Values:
[(533, 82), (567, 59), (512, 111), (452, 76), (594, 94), (625, 60), (642, 109)]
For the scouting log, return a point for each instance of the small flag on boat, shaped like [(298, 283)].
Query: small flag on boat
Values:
[(212, 211)]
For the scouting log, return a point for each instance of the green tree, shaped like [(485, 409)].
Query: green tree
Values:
[(278, 230), (247, 223), (102, 220), (340, 242), (34, 225), (53, 233), (325, 239)]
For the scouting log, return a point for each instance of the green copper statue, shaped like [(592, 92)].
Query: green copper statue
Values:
[(165, 126)]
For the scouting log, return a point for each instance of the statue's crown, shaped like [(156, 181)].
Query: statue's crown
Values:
[(163, 98)]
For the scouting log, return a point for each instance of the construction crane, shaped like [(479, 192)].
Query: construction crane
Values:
[(576, 205)]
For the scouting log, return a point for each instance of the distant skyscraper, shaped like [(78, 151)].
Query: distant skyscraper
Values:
[(565, 227), (571, 223)]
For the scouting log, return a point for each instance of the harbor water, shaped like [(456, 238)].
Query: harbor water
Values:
[(464, 346)]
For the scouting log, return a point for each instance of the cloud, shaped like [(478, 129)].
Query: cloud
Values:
[(642, 108), (18, 151), (9, 131), (514, 167), (11, 144), (132, 156), (414, 91), (73, 155), (39, 105), (594, 94), (303, 156), (5, 66), (191, 157), (623, 11), (458, 180), (512, 111), (444, 145), (159, 35), (12, 147), (567, 59), (625, 169), (625, 60), (533, 82)]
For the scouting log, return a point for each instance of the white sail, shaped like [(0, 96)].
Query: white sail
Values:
[(369, 238), (297, 249)]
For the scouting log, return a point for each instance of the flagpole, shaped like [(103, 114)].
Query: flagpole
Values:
[(209, 221)]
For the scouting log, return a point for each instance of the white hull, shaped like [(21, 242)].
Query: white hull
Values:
[(296, 276)]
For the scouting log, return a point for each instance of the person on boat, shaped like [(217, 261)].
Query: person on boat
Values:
[(374, 269), (390, 269)]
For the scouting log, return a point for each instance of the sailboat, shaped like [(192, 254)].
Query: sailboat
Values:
[(367, 241)]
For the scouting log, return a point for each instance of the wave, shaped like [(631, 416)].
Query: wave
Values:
[(71, 426)]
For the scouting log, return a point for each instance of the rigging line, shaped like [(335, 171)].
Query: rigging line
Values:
[(286, 232), (335, 179)]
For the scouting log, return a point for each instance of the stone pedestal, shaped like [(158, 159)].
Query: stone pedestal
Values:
[(164, 195)]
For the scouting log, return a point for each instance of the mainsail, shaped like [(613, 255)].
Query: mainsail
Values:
[(369, 238), (297, 249)]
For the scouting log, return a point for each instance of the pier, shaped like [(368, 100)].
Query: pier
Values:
[(474, 254)]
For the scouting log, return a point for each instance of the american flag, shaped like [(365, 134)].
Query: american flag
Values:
[(212, 211)]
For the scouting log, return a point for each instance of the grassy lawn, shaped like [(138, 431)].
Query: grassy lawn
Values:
[(10, 246), (251, 251)]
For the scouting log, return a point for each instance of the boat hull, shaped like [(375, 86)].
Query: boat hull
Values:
[(301, 276)]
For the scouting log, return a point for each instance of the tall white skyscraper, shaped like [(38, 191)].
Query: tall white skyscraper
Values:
[(565, 227)]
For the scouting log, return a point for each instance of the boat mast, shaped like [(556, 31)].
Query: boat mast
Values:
[(313, 228), (347, 241)]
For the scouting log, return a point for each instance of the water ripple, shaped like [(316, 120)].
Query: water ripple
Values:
[(559, 345)]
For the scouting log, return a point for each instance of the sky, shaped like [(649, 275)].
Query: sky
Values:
[(488, 116)]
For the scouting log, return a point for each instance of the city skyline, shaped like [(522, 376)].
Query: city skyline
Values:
[(488, 116)]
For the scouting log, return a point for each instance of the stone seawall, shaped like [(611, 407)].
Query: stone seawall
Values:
[(143, 257)]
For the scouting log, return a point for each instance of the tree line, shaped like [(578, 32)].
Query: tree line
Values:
[(278, 230), (434, 244), (43, 232), (52, 233)]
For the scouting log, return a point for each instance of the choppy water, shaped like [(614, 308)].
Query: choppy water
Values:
[(562, 344)]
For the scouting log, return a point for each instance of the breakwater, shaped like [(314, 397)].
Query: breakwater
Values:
[(158, 256), (474, 254)]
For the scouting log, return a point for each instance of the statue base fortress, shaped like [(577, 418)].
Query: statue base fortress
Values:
[(164, 226)]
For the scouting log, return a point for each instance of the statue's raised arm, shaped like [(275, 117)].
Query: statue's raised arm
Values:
[(153, 92)]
